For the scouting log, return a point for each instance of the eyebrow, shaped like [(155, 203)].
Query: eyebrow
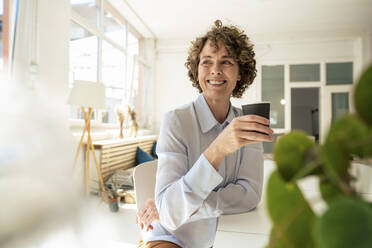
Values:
[(209, 57)]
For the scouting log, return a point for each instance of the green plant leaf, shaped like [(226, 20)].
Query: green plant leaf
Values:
[(367, 145), (278, 241), (362, 96), (347, 223), (329, 191), (342, 141), (291, 153), (291, 214)]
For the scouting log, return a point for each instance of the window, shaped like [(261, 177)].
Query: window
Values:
[(83, 54), (304, 73), (114, 30), (291, 86), (105, 48), (89, 9), (340, 105), (339, 73), (113, 75), (273, 91), (83, 61)]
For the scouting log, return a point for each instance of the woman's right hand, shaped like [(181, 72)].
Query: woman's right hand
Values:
[(147, 215), (241, 131)]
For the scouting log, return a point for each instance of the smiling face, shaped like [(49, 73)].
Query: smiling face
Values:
[(217, 73)]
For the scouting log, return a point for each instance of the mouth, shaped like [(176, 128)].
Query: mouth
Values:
[(216, 82)]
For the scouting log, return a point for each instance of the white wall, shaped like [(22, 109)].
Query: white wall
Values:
[(172, 85)]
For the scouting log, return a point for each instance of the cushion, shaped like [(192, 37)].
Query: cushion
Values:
[(142, 156), (120, 179), (153, 150)]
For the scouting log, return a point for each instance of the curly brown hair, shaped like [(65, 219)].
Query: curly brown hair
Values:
[(238, 47)]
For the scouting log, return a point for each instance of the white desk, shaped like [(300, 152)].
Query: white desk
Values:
[(250, 229)]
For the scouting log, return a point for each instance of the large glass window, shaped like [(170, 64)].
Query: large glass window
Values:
[(304, 73), (83, 54), (83, 61), (104, 47), (133, 44), (113, 29), (113, 66), (340, 105), (273, 91), (89, 9), (339, 73)]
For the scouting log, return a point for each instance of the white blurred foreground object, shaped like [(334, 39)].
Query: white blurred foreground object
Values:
[(88, 95), (37, 191), (41, 204)]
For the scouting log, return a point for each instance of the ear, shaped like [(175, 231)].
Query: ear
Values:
[(239, 77)]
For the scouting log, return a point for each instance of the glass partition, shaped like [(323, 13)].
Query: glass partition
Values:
[(89, 9), (339, 73), (340, 105), (273, 91), (113, 76), (304, 73)]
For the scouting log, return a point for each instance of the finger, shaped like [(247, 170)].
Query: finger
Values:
[(254, 136), (141, 212), (147, 219), (151, 219), (255, 118), (144, 212), (254, 126), (146, 215), (150, 227)]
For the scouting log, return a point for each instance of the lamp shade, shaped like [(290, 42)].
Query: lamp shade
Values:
[(88, 94)]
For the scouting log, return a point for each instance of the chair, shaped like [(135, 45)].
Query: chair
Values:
[(144, 177)]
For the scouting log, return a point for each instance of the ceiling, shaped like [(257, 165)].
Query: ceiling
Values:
[(174, 19)]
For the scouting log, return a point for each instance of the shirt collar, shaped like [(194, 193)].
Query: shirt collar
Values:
[(205, 116)]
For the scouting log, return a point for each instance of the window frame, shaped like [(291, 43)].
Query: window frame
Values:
[(325, 91), (101, 36)]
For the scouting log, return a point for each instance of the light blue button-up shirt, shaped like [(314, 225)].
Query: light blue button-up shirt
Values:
[(190, 194)]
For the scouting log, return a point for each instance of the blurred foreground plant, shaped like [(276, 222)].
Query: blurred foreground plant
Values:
[(347, 222)]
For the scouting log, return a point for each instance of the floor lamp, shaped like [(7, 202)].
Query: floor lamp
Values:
[(88, 96)]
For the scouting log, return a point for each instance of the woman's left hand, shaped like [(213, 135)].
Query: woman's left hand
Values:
[(147, 215)]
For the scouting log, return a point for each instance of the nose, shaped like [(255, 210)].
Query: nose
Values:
[(216, 69)]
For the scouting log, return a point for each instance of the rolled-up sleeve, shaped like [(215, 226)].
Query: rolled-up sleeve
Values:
[(180, 192)]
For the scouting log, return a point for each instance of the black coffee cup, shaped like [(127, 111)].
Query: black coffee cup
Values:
[(261, 109)]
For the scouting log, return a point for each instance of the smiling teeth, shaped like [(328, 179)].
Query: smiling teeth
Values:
[(216, 82)]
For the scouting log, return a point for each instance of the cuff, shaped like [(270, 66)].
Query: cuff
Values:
[(202, 178)]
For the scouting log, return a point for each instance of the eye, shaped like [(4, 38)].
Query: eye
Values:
[(226, 62), (206, 62)]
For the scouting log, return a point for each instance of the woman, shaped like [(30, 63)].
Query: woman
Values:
[(210, 157)]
